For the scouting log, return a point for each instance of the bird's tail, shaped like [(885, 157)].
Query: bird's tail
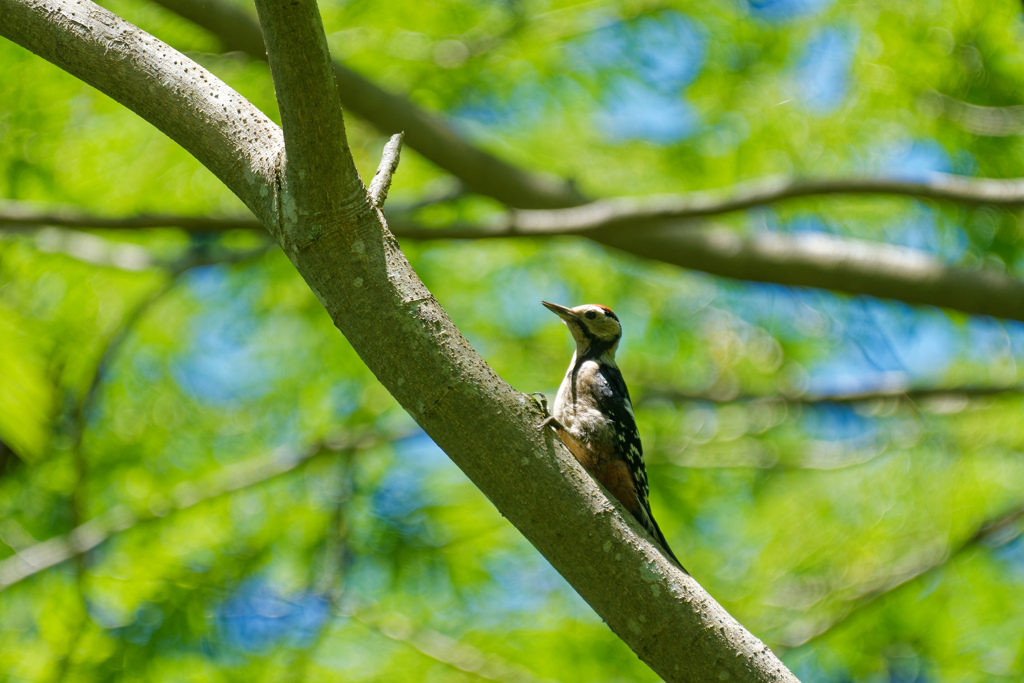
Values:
[(654, 530)]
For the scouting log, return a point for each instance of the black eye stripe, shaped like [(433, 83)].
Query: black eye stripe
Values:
[(590, 315)]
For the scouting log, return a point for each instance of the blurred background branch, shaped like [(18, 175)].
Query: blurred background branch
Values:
[(439, 647), (989, 121), (810, 260), (654, 394), (480, 171), (231, 478), (599, 214), (992, 533)]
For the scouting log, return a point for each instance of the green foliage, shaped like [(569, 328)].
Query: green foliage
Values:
[(138, 390)]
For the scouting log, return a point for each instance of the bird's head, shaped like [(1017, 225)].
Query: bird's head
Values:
[(595, 328)]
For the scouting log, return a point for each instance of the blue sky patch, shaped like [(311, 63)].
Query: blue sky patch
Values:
[(257, 617), (822, 72), (782, 10), (642, 68)]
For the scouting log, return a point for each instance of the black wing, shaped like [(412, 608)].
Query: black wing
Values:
[(613, 401)]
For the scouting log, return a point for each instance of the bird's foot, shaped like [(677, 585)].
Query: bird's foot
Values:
[(542, 401), (551, 421)]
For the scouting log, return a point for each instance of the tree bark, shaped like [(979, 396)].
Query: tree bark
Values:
[(339, 243)]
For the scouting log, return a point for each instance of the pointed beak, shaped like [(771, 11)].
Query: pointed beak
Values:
[(561, 311)]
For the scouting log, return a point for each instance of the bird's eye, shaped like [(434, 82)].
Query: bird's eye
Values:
[(590, 315)]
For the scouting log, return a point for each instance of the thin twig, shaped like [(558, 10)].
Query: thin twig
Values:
[(14, 216), (381, 182), (100, 251), (195, 258), (85, 536), (995, 532), (448, 651), (185, 495), (327, 576), (396, 626), (76, 421)]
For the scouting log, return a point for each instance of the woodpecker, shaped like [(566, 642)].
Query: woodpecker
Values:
[(593, 415)]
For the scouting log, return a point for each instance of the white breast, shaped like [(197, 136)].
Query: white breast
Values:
[(577, 410)]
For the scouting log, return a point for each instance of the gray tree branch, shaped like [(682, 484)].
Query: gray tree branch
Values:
[(18, 217), (655, 394), (608, 214), (809, 260), (827, 262), (338, 243)]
